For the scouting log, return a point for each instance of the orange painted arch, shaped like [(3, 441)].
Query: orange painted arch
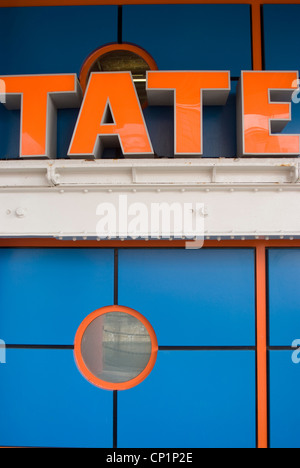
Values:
[(83, 76), (80, 361)]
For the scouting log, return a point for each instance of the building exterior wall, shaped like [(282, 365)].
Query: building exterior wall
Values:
[(226, 316)]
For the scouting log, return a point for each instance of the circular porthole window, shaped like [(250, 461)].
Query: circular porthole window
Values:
[(115, 348), (120, 58)]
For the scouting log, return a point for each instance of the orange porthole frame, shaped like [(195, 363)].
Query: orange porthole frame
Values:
[(80, 361), (83, 76)]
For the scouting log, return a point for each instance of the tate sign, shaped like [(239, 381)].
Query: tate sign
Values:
[(110, 111)]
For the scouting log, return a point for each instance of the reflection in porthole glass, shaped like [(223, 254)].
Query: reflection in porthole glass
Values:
[(116, 347)]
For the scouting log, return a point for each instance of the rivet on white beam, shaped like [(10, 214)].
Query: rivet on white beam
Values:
[(20, 212)]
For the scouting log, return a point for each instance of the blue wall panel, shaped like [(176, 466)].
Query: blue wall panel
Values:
[(45, 402), (284, 400), (192, 37), (203, 297), (53, 39), (219, 129), (46, 293), (284, 296), (192, 399)]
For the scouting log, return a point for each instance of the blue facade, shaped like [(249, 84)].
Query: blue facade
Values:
[(49, 403), (281, 42), (284, 405)]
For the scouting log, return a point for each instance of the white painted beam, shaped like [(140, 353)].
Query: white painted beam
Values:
[(249, 198)]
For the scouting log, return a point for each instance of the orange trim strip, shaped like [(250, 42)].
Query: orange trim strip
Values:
[(55, 243), (261, 330)]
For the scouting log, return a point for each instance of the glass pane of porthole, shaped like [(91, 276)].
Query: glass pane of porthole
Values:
[(116, 347), (125, 60)]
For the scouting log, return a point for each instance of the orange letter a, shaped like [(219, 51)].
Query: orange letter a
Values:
[(110, 112)]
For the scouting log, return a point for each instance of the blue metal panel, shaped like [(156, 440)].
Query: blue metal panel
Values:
[(192, 399), (45, 402), (192, 37), (46, 293), (281, 33), (49, 40), (284, 296), (203, 297), (66, 124), (284, 400)]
